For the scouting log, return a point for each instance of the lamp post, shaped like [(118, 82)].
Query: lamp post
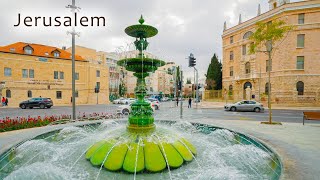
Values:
[(73, 8)]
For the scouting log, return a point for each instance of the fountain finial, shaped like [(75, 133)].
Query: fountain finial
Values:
[(141, 20)]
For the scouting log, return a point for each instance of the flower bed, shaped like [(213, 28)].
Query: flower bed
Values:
[(10, 124)]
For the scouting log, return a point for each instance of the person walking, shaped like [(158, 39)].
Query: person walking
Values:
[(6, 102), (3, 101), (190, 101)]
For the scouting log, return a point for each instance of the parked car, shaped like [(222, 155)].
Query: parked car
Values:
[(128, 101), (126, 109), (245, 106), (165, 99), (36, 102), (155, 102), (117, 101)]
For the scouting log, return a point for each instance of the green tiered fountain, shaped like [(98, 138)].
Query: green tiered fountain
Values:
[(143, 147)]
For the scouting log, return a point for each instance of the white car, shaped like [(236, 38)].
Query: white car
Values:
[(155, 102), (117, 101), (126, 109), (128, 101)]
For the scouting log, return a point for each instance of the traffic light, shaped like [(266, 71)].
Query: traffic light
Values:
[(192, 60), (96, 90)]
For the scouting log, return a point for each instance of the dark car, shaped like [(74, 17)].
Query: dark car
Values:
[(36, 102)]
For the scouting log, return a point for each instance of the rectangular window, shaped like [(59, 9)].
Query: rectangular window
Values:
[(31, 73), (76, 76), (231, 39), (98, 85), (28, 51), (267, 66), (97, 73), (25, 73), (300, 62), (61, 75), (300, 41), (7, 72), (231, 55), (56, 54), (231, 71), (56, 75), (244, 49), (301, 19), (59, 94)]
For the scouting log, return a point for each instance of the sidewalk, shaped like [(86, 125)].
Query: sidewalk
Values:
[(220, 105)]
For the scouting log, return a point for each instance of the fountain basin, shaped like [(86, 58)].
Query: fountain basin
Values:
[(224, 154)]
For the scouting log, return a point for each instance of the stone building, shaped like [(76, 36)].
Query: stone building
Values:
[(33, 70), (295, 75)]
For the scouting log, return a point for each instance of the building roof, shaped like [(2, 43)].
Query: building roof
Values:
[(38, 50)]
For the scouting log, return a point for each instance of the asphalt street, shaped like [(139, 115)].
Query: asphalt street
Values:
[(168, 110)]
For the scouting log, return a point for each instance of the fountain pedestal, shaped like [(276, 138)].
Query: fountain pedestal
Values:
[(142, 147)]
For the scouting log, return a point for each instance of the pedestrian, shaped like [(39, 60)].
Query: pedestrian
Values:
[(177, 102), (6, 101), (3, 101), (190, 101)]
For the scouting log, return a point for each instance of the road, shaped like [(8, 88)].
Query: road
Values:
[(167, 111)]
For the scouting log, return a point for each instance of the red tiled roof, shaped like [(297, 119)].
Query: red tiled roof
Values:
[(38, 50)]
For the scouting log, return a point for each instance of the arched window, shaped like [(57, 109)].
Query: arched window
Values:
[(230, 88), (29, 94), (8, 93), (247, 35), (267, 89), (247, 67), (300, 87)]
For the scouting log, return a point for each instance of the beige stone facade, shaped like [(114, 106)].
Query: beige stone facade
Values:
[(97, 74), (295, 75), (46, 71)]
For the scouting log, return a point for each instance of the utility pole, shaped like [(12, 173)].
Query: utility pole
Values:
[(181, 92), (73, 33), (196, 85)]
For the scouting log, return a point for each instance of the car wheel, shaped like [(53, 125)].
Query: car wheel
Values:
[(125, 111), (42, 106), (256, 109), (157, 107), (23, 106), (233, 109)]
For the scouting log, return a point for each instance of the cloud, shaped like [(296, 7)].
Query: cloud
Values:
[(184, 26)]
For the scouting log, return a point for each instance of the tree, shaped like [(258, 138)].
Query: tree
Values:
[(122, 89), (188, 81), (268, 34), (214, 74)]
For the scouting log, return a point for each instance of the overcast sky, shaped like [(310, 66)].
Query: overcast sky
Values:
[(184, 26)]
